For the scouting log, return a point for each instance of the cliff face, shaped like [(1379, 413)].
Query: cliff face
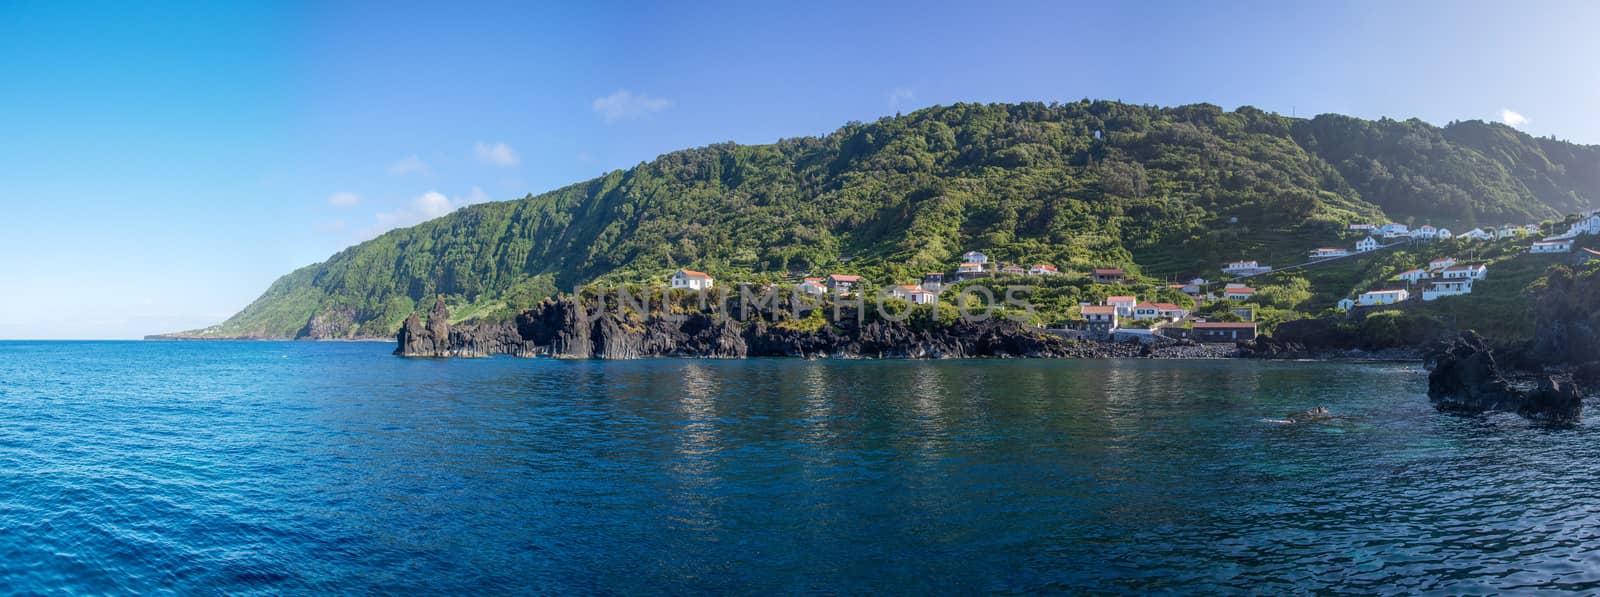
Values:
[(1567, 312), (566, 328)]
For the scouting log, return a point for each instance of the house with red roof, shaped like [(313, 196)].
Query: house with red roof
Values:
[(842, 284), (691, 280), (1109, 275), (1100, 318)]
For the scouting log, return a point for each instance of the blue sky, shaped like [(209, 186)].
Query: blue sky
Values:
[(163, 164)]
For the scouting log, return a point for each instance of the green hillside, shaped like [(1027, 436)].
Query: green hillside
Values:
[(1163, 192)]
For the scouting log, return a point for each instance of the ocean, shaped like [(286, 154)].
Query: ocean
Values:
[(315, 468)]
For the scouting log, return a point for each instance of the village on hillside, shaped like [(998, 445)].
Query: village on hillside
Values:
[(1127, 316)]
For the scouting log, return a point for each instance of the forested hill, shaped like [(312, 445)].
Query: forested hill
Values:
[(1168, 191)]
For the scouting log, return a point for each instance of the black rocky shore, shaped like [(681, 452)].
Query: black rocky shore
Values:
[(565, 328)]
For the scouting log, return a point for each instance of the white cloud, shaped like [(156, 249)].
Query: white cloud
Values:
[(424, 207), (901, 96), (344, 199), (409, 165), (624, 104), (1511, 118), (498, 154)]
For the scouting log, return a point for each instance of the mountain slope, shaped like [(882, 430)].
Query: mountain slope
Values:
[(1167, 191)]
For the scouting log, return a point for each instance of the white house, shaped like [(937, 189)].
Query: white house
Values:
[(1362, 228), (1124, 304), (1100, 318), (1552, 246), (1444, 234), (1043, 269), (1015, 270), (1392, 230), (1366, 244), (1195, 286), (1466, 272), (1239, 294), (969, 267), (1329, 253), (1146, 311), (1426, 231), (1346, 304), (1588, 225), (1446, 288), (1416, 275), (1441, 263), (1171, 311), (1509, 232), (914, 294), (1382, 297), (692, 280), (812, 286), (1246, 268), (1479, 234), (974, 257), (1532, 229)]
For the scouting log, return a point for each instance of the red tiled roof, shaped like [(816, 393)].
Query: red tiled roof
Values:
[(688, 273), (1240, 291), (844, 278), (1121, 299), (1144, 305), (1099, 310), (1168, 307), (1108, 272)]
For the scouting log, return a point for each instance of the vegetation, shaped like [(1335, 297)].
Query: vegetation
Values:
[(1161, 192)]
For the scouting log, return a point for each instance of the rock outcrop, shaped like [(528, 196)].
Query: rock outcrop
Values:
[(1466, 378), (570, 329)]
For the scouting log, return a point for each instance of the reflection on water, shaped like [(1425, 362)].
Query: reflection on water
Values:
[(326, 468)]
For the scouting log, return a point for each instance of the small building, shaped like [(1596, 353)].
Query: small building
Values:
[(1509, 232), (1239, 294), (1013, 270), (1367, 244), (1425, 232), (1531, 229), (1222, 331), (1246, 268), (1392, 230), (812, 286), (1100, 318), (1478, 234), (1109, 275), (933, 281), (692, 280), (1171, 311), (1362, 228), (1146, 311), (1444, 288), (1552, 246), (1416, 275), (1472, 271), (841, 284), (1123, 304), (1444, 234), (913, 293), (1329, 253), (1441, 263), (1043, 269), (1382, 297), (1346, 304), (974, 257), (1244, 313), (1195, 286)]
